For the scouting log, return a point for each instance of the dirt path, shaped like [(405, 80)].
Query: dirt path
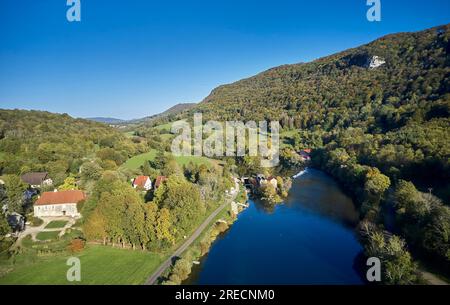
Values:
[(33, 231), (432, 279)]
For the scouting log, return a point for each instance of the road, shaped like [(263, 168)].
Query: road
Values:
[(152, 279), (432, 279)]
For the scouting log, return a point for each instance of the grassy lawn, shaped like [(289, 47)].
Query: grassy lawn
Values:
[(99, 265), (56, 224), (286, 138), (129, 134), (166, 126), (288, 133), (47, 235), (138, 161), (167, 136)]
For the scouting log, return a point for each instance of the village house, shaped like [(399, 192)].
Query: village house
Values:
[(37, 179), (260, 179), (159, 180), (62, 203), (142, 182), (273, 181), (305, 154)]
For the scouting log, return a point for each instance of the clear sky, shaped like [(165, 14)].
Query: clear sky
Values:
[(133, 58)]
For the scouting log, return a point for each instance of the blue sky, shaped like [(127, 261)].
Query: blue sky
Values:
[(133, 58)]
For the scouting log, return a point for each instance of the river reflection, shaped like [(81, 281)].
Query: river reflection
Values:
[(307, 240)]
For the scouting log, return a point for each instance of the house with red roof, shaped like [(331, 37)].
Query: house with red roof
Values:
[(159, 180), (142, 182), (58, 203), (305, 154)]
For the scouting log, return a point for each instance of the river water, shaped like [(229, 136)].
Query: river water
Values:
[(307, 240)]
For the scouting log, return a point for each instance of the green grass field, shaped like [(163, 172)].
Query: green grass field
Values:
[(56, 224), (166, 126), (137, 161), (99, 265), (47, 235), (129, 134), (167, 136)]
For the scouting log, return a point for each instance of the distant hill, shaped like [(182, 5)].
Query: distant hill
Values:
[(397, 70), (172, 111), (177, 109), (111, 121)]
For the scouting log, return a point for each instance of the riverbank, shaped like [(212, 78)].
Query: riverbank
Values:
[(178, 267), (309, 239), (381, 217)]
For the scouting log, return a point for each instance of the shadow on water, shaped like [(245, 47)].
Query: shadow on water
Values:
[(319, 193), (307, 240)]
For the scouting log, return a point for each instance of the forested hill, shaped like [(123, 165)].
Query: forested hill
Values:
[(392, 115), (57, 143), (342, 89), (104, 120), (162, 117), (377, 119)]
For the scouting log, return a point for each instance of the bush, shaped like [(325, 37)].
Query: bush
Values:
[(76, 245), (36, 221), (80, 205), (182, 269), (204, 246), (174, 278)]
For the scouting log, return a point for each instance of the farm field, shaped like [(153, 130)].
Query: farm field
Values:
[(137, 161), (99, 265)]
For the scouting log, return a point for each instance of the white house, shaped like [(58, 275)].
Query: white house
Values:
[(142, 182), (272, 180), (63, 203)]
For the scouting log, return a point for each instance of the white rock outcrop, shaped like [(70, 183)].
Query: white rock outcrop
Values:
[(375, 62)]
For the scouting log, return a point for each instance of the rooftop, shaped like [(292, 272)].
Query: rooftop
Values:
[(62, 197), (35, 178)]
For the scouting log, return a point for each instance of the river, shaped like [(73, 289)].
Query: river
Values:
[(307, 240)]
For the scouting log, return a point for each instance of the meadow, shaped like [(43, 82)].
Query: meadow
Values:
[(99, 265), (137, 161)]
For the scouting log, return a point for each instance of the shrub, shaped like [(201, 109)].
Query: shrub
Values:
[(204, 246), (182, 269), (174, 278), (80, 205), (222, 227), (36, 221), (76, 245)]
